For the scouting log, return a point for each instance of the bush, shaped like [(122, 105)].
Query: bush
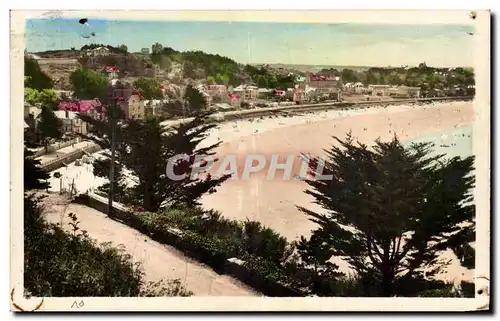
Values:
[(59, 264), (247, 237)]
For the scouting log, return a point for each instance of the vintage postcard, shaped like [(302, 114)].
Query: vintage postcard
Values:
[(250, 161)]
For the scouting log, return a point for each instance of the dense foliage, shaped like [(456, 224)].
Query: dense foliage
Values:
[(34, 77), (390, 210), (35, 178), (267, 78), (198, 64), (149, 88), (45, 97)]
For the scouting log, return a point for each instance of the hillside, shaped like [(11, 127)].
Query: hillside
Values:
[(310, 68)]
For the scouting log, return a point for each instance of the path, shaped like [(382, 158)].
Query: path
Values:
[(159, 261)]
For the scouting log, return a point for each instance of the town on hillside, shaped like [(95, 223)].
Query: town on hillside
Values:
[(154, 81)]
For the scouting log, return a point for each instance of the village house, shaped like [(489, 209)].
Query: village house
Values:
[(355, 88), (100, 51), (247, 92), (217, 93), (409, 92), (71, 123), (299, 95), (379, 90), (93, 108), (153, 107), (110, 71), (31, 114), (326, 86), (264, 93), (130, 101), (65, 93)]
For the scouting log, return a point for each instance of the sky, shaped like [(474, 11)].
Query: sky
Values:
[(345, 44)]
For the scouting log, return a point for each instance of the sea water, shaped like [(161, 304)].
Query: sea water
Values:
[(454, 142)]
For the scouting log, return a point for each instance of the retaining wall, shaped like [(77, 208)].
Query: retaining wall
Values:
[(69, 158), (53, 148)]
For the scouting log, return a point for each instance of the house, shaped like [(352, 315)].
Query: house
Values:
[(217, 93), (110, 71), (319, 81), (65, 93), (71, 123), (359, 88), (300, 79), (299, 95), (153, 107), (100, 51), (264, 93), (326, 86), (247, 92), (379, 90), (145, 51), (409, 92), (31, 114), (130, 101)]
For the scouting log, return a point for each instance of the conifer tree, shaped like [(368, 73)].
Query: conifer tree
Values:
[(34, 176), (49, 125)]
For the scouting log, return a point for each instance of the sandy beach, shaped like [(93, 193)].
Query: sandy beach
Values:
[(273, 202)]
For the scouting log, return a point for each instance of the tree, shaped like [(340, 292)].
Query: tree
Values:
[(31, 95), (390, 209), (156, 48), (123, 48), (45, 97), (149, 87), (34, 77), (150, 148), (89, 84), (49, 125), (48, 97), (145, 147), (34, 176)]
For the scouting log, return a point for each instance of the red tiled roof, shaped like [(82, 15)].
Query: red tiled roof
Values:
[(321, 78), (110, 69), (80, 106)]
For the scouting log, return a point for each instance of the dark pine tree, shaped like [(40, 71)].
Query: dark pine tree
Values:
[(49, 125)]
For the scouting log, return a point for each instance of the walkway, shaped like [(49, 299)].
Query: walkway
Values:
[(159, 261)]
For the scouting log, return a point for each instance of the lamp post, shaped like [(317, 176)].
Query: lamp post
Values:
[(113, 115)]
